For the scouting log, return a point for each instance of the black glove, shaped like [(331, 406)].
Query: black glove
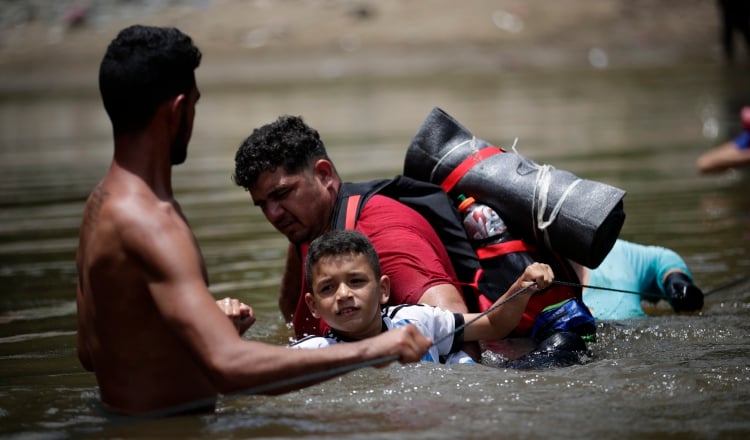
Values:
[(682, 294)]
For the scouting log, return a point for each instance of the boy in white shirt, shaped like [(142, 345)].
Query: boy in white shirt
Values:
[(347, 290)]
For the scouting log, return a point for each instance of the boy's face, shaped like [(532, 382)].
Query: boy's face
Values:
[(347, 296)]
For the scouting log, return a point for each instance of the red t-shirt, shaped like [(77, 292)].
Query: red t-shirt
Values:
[(410, 252)]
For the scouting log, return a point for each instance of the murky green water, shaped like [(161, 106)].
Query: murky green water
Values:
[(638, 130)]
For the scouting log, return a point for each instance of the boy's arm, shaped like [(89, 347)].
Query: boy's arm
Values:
[(498, 323)]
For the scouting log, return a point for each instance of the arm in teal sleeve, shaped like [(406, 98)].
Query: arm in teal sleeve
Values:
[(666, 261)]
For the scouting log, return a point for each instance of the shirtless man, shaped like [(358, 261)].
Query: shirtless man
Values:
[(148, 327)]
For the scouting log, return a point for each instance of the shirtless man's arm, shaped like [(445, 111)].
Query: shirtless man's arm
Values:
[(233, 363)]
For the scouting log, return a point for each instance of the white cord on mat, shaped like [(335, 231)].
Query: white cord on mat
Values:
[(540, 196)]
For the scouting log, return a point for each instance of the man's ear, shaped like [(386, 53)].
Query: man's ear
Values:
[(177, 102), (324, 170), (176, 108), (310, 301), (385, 289)]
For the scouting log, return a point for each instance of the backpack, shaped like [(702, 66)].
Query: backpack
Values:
[(432, 203)]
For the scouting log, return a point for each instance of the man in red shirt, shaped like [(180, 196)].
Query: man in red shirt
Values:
[(286, 169)]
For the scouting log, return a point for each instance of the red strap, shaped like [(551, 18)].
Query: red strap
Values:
[(351, 211), (502, 248), (466, 165)]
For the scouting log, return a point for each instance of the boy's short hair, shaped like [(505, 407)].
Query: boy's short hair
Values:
[(338, 242)]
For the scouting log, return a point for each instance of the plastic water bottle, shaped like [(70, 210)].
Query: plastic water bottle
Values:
[(500, 268), (483, 224)]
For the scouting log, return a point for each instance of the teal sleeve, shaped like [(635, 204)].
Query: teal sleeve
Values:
[(632, 267), (666, 260)]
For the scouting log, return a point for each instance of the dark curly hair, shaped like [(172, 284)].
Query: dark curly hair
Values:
[(144, 66), (287, 142)]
